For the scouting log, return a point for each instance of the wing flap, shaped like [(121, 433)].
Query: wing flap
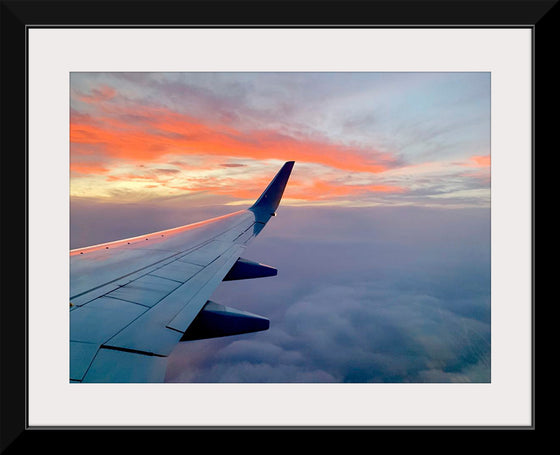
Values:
[(99, 320), (112, 365), (159, 329), (222, 266)]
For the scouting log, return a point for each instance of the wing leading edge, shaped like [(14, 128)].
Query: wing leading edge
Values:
[(133, 300)]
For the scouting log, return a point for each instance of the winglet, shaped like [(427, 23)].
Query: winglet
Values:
[(270, 198)]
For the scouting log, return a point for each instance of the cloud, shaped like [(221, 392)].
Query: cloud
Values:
[(362, 295), (167, 171), (162, 132), (391, 295), (341, 334), (479, 169), (88, 168), (480, 161), (357, 138), (96, 95), (232, 165)]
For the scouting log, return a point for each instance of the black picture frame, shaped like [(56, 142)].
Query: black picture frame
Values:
[(18, 17)]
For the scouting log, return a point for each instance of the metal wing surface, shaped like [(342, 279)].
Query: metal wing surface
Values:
[(133, 300)]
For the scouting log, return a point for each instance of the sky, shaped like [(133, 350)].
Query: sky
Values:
[(382, 239), (359, 139)]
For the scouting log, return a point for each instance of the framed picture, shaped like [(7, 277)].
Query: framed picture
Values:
[(404, 238)]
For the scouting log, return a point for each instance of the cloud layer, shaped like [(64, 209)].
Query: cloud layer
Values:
[(362, 295), (357, 138)]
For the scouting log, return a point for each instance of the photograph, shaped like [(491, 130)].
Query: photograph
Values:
[(283, 227), (280, 227)]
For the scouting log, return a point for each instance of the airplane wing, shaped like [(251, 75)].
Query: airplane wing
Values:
[(133, 300)]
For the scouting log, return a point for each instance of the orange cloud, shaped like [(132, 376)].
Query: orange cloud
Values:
[(478, 161), (480, 168), (161, 132), (317, 190), (129, 135), (321, 190), (482, 160), (88, 168)]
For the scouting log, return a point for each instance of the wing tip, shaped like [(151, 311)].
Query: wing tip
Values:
[(271, 196)]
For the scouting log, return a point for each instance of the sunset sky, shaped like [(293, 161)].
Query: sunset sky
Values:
[(358, 139), (382, 240)]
